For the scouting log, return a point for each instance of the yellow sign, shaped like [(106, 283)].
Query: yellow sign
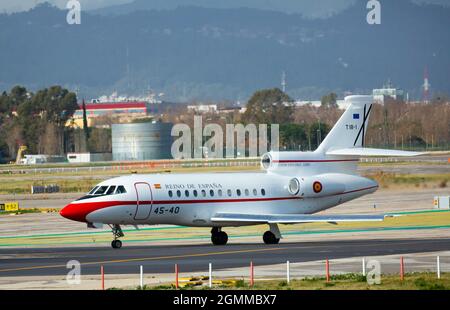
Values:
[(11, 206)]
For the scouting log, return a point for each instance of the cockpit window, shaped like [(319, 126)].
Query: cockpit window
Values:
[(101, 190), (111, 190), (121, 190), (104, 190), (93, 191)]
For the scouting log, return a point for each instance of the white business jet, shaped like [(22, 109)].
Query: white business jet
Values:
[(291, 189)]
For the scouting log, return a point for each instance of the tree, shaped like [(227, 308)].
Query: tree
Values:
[(85, 127), (100, 140), (269, 106), (293, 135), (329, 100), (55, 105), (318, 131)]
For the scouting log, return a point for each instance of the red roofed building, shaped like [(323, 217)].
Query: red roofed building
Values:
[(117, 110)]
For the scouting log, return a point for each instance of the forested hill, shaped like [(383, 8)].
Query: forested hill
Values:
[(226, 53)]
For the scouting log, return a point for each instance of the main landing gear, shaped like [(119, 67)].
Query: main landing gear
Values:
[(270, 238), (218, 237), (117, 233), (273, 235)]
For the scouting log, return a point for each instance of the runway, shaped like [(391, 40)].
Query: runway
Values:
[(161, 258)]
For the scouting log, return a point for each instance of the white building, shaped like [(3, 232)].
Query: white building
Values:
[(388, 92), (203, 108), (88, 157), (317, 103)]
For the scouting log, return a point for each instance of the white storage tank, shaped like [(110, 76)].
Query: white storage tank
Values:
[(141, 141)]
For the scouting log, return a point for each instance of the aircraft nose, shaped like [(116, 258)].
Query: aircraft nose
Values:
[(73, 212)]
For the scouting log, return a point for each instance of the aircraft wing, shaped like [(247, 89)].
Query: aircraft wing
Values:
[(292, 218), (362, 151)]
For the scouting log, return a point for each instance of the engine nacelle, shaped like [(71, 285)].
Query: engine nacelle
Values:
[(316, 186), (272, 160)]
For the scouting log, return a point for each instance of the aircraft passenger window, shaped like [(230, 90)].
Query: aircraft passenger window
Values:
[(93, 191), (211, 193), (219, 193), (255, 192), (238, 192), (263, 192), (186, 193), (121, 190), (179, 193), (101, 190), (195, 193), (229, 192), (170, 194), (111, 190), (203, 193), (247, 192)]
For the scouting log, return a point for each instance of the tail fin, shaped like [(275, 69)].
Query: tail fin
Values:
[(351, 128), (347, 136)]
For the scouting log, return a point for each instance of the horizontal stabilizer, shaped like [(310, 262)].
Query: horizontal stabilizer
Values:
[(293, 218), (360, 151)]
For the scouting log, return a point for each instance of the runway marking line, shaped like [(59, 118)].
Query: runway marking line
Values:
[(90, 232), (313, 232)]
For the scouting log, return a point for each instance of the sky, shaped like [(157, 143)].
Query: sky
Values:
[(309, 7)]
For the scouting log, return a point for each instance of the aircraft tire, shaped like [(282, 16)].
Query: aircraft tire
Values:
[(269, 238), (219, 238), (116, 244)]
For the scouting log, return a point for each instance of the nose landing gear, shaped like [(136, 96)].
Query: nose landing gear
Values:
[(117, 233), (116, 244), (218, 237)]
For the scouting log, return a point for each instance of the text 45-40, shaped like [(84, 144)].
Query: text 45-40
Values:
[(164, 210)]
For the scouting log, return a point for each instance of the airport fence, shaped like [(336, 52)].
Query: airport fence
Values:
[(248, 162), (136, 166), (326, 270)]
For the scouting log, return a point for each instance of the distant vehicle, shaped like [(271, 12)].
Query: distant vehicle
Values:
[(294, 186)]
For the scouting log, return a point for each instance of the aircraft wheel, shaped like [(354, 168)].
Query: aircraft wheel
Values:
[(116, 244), (269, 238), (219, 238)]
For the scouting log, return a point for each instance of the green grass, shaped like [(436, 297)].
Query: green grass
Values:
[(351, 281), (66, 185), (386, 180), (21, 183), (8, 167), (15, 185), (22, 211)]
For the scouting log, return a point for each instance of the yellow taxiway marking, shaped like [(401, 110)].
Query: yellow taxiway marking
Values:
[(147, 258)]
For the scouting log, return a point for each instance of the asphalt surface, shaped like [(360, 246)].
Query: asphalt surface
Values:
[(192, 258)]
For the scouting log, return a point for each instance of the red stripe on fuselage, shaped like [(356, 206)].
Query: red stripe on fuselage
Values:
[(79, 211), (315, 161)]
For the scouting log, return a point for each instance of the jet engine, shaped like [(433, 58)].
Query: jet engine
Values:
[(316, 186)]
